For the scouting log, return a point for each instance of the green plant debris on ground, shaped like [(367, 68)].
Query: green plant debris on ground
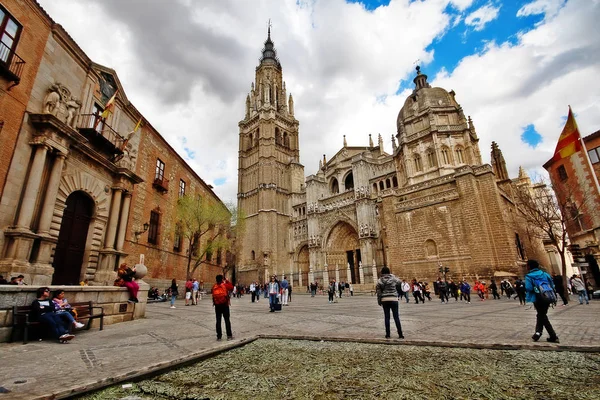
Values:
[(297, 369)]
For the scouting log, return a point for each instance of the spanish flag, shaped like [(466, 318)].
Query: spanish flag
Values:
[(569, 141), (137, 126), (110, 104)]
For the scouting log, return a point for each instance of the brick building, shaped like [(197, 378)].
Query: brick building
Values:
[(20, 54), (430, 203), (575, 183), (82, 180)]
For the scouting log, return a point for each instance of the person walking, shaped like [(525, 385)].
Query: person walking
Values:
[(579, 287), (331, 291), (174, 292), (416, 289), (387, 297), (560, 288), (195, 291), (405, 289), (442, 290), (273, 290), (188, 291), (284, 291), (465, 290), (221, 301), (494, 288), (521, 292), (537, 283)]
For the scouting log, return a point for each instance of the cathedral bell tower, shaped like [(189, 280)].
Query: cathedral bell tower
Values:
[(269, 172)]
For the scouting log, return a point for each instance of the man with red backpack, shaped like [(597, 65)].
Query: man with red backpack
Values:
[(220, 295)]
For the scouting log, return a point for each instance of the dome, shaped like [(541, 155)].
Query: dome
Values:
[(424, 97)]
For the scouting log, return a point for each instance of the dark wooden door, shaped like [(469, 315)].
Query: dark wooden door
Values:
[(350, 259), (70, 248)]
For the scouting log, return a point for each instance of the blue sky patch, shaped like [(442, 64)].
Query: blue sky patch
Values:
[(220, 181), (371, 4), (531, 136)]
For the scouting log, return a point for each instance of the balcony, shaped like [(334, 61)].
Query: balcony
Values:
[(161, 184), (11, 65), (100, 134)]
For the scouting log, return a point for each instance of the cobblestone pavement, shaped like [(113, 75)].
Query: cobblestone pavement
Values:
[(167, 336)]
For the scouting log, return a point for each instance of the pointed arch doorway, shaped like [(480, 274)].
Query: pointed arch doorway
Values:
[(343, 250), (72, 238)]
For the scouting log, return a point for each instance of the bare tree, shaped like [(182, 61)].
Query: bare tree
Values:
[(551, 214), (202, 224)]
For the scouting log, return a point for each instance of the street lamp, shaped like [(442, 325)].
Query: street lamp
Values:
[(138, 233)]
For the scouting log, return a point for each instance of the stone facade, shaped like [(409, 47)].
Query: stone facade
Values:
[(576, 178), (431, 203), (82, 179)]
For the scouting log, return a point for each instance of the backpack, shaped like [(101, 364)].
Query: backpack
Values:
[(543, 290), (219, 294)]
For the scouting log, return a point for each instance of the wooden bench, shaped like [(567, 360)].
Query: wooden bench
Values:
[(21, 317)]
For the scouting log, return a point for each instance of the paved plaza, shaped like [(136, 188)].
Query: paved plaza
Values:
[(167, 336)]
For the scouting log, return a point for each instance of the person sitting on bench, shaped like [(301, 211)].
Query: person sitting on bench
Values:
[(62, 306), (43, 310)]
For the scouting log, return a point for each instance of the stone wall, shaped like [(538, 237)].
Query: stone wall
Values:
[(112, 299)]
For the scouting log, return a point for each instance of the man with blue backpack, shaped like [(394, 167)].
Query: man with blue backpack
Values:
[(540, 291)]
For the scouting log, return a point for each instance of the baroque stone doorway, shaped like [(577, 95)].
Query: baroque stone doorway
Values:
[(72, 239), (343, 249)]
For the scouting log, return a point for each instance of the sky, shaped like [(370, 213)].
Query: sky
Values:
[(187, 66)]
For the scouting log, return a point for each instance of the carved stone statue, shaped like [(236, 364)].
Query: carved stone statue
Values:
[(52, 100), (72, 106)]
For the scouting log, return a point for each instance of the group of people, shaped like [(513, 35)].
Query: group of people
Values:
[(538, 288), (55, 313), (15, 280)]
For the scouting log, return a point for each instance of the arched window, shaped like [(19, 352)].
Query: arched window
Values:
[(257, 135), (417, 162), (431, 161), (286, 139), (381, 187), (430, 248), (277, 136), (253, 255), (334, 186), (445, 156), (395, 181), (459, 155), (375, 188), (349, 182), (388, 183), (251, 141)]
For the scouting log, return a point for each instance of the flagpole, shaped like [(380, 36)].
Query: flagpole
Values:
[(587, 157)]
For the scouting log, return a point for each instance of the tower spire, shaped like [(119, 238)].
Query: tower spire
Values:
[(269, 54)]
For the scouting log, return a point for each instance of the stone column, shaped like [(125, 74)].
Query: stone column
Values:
[(326, 275), (33, 187), (374, 272), (111, 230), (337, 273), (349, 274), (50, 201), (123, 221), (361, 273)]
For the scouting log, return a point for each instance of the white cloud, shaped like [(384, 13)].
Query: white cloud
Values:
[(187, 66), (480, 17), (548, 7), (507, 87), (461, 5)]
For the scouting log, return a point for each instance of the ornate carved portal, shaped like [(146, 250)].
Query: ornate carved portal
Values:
[(343, 248)]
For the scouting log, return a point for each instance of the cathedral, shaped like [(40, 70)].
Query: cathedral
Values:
[(432, 206)]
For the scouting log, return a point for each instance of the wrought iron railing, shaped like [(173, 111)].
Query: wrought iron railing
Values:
[(94, 122), (11, 62)]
